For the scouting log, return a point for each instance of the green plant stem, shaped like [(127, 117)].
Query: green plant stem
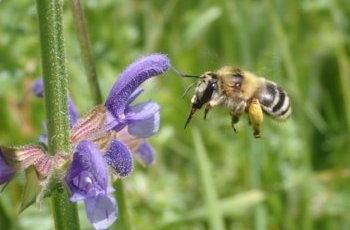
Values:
[(123, 221), (85, 49), (256, 158), (342, 58), (65, 212), (282, 42), (55, 88), (214, 216)]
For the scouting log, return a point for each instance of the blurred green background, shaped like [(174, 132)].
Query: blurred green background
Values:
[(205, 177)]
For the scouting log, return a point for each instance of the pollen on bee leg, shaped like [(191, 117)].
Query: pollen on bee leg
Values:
[(255, 115)]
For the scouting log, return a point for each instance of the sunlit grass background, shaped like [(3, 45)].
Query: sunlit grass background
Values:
[(206, 177)]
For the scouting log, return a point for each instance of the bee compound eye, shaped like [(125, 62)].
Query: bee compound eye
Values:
[(237, 80), (203, 95)]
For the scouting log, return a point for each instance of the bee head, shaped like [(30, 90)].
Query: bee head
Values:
[(206, 86), (205, 89)]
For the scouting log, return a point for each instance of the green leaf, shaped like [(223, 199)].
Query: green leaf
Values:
[(31, 189), (234, 206), (202, 23)]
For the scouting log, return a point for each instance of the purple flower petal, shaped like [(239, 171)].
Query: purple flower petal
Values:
[(87, 175), (135, 74), (141, 111), (119, 158), (145, 128), (145, 154), (101, 211), (114, 124), (6, 172)]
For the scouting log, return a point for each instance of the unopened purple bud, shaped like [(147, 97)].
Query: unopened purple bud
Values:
[(38, 88), (119, 158)]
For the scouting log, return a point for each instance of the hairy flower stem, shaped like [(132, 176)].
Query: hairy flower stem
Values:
[(85, 49), (123, 221), (55, 87)]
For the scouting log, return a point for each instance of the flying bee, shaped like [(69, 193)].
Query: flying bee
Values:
[(240, 91)]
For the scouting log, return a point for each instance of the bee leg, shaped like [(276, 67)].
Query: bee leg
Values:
[(206, 110), (236, 113), (256, 131), (255, 116), (240, 108), (234, 121), (217, 101)]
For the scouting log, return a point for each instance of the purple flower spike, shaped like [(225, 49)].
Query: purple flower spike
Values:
[(38, 90), (6, 172), (145, 153), (119, 158), (102, 211), (87, 175), (124, 90)]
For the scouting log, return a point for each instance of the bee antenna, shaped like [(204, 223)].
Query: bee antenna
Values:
[(183, 74), (192, 76), (188, 89), (193, 110)]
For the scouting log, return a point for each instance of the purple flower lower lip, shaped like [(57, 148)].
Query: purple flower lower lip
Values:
[(102, 211), (146, 127)]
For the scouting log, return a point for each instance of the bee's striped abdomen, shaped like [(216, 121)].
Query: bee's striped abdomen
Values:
[(275, 101)]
